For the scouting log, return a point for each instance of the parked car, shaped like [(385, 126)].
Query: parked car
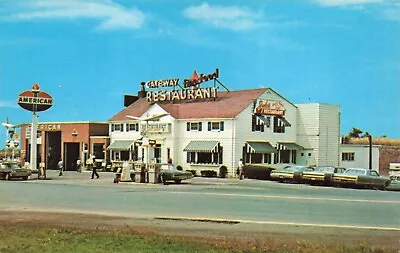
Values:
[(9, 170), (168, 172), (360, 177), (321, 175), (292, 173)]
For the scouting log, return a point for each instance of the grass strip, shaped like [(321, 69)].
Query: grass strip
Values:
[(20, 238)]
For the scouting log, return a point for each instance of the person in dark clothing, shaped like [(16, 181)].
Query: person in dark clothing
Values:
[(94, 168), (60, 167)]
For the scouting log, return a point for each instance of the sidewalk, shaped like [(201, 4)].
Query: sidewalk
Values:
[(107, 178)]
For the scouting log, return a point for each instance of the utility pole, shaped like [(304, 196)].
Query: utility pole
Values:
[(370, 149)]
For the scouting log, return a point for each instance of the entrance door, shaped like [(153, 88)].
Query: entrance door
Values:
[(53, 149), (71, 154), (285, 156), (157, 153)]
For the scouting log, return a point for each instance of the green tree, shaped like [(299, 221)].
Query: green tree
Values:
[(355, 133)]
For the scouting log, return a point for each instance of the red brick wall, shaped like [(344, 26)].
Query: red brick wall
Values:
[(98, 129), (70, 132), (386, 156), (82, 130)]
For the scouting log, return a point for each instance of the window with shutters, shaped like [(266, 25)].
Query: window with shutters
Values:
[(257, 123), (194, 126), (117, 127), (132, 127), (216, 126), (279, 125)]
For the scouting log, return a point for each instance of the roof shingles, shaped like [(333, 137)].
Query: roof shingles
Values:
[(227, 105)]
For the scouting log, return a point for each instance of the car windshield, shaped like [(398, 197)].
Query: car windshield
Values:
[(324, 169), (355, 172)]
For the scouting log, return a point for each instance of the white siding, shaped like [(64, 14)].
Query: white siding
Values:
[(184, 137), (243, 129), (313, 126), (319, 133), (361, 156)]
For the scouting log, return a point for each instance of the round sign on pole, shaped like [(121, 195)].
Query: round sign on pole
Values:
[(35, 101)]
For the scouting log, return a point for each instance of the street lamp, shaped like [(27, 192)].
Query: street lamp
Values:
[(370, 149), (13, 142), (7, 125)]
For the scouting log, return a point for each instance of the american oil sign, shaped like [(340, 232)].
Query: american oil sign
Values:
[(35, 100)]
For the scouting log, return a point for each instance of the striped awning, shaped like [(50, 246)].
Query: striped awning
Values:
[(121, 144), (285, 122), (202, 146), (260, 147), (289, 146)]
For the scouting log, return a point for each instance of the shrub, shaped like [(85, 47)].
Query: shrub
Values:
[(256, 171), (208, 173), (223, 171)]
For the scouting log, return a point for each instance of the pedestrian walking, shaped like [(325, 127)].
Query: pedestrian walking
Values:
[(60, 167), (94, 168), (78, 165), (240, 168)]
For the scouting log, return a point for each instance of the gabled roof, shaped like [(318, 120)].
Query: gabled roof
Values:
[(227, 105)]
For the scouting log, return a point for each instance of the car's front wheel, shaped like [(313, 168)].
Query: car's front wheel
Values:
[(383, 187), (178, 181)]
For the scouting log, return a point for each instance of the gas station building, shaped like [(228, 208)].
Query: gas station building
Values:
[(66, 141)]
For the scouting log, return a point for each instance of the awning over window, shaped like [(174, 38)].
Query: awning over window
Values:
[(285, 122), (260, 147), (289, 146), (121, 144), (202, 146)]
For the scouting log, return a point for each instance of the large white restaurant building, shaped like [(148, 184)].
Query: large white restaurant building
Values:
[(204, 128)]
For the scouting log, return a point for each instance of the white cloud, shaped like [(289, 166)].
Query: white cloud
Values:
[(346, 2), (111, 15), (8, 104), (392, 12), (227, 17)]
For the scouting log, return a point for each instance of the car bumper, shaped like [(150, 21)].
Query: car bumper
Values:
[(20, 174), (281, 176)]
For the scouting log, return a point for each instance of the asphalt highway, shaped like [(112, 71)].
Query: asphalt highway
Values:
[(221, 200)]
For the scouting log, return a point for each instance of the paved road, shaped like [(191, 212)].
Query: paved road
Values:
[(247, 201)]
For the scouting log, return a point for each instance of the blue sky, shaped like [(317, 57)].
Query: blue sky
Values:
[(87, 54)]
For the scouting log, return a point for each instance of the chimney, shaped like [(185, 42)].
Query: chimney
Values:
[(142, 92), (129, 99)]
